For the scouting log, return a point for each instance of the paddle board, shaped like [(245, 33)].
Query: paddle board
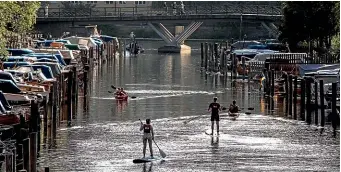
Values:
[(146, 159)]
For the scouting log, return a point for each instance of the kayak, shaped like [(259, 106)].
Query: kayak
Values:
[(121, 97), (233, 114)]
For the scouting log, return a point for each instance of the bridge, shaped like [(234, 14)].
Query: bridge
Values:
[(195, 15)]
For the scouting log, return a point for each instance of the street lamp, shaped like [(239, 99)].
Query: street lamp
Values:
[(244, 40)]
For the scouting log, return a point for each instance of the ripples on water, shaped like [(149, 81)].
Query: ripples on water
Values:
[(170, 90)]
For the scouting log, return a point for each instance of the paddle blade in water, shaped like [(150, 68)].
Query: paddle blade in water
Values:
[(163, 154), (113, 87), (133, 97), (224, 108)]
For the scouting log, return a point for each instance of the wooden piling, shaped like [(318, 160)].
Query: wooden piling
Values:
[(295, 97), (334, 108), (202, 54), (74, 91), (244, 67), (302, 109), (322, 103), (272, 82), (33, 152), (268, 82), (308, 103), (316, 104), (210, 66), (215, 57), (54, 109), (34, 117), (26, 153), (286, 82), (233, 65), (124, 49), (206, 54), (290, 95), (69, 98)]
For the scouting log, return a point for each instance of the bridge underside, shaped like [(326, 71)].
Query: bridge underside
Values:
[(175, 43)]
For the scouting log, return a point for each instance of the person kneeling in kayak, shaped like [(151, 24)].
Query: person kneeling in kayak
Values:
[(233, 107), (215, 108), (118, 91), (148, 135)]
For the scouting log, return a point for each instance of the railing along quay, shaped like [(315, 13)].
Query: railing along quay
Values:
[(256, 10)]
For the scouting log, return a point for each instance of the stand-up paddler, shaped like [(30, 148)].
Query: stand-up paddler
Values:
[(148, 135), (214, 107)]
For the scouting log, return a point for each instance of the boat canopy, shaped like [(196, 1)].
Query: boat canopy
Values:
[(8, 86), (11, 65), (20, 59), (4, 102), (19, 52), (106, 38), (7, 76), (46, 70), (72, 46)]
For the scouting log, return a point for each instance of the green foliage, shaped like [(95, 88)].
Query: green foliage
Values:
[(17, 17), (336, 42), (309, 21)]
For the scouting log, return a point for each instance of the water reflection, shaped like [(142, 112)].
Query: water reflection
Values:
[(146, 168), (121, 105)]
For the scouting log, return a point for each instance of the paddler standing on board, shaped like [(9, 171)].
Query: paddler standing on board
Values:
[(148, 135), (233, 107), (214, 107)]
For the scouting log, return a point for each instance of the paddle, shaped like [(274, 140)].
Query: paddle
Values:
[(162, 153)]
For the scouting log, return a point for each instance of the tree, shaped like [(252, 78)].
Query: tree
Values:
[(310, 21), (17, 18)]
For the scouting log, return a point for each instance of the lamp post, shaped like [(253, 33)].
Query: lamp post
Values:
[(244, 40)]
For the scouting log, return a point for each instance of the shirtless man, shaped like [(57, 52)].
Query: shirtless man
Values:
[(233, 107), (214, 107)]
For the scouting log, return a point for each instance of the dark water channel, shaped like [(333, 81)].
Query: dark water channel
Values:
[(170, 89)]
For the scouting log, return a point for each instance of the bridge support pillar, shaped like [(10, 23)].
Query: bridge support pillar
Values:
[(178, 30), (175, 44)]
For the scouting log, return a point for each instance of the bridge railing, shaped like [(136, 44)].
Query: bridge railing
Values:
[(149, 11)]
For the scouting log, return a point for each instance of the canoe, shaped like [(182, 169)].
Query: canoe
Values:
[(121, 97)]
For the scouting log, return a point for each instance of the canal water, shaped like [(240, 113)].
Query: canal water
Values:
[(170, 89)]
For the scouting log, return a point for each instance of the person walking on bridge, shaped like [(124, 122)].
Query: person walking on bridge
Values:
[(166, 7), (182, 8), (174, 8), (214, 107), (148, 135), (132, 36)]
